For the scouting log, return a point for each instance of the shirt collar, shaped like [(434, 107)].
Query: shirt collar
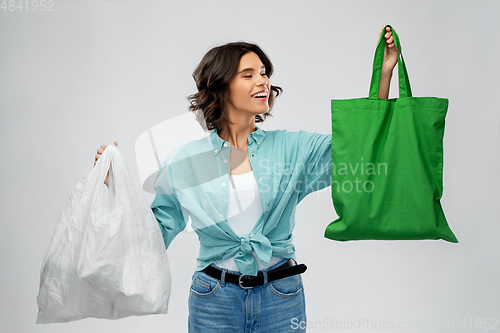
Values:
[(256, 136)]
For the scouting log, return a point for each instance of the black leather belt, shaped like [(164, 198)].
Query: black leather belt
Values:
[(249, 281)]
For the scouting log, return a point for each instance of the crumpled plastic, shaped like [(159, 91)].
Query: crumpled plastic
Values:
[(102, 264)]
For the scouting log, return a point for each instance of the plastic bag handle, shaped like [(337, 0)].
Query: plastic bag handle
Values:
[(404, 80), (103, 165)]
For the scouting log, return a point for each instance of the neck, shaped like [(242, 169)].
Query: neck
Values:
[(237, 134)]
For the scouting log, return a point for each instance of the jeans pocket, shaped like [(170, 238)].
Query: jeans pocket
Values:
[(287, 287), (204, 285)]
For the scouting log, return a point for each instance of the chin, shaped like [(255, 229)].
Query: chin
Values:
[(257, 112)]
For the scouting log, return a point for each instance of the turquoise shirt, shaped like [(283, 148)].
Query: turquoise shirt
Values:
[(194, 181)]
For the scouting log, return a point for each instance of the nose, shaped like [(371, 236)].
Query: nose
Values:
[(263, 81)]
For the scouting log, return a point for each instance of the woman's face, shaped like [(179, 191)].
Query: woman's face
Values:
[(251, 79)]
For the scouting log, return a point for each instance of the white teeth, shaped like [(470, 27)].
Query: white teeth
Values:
[(262, 94)]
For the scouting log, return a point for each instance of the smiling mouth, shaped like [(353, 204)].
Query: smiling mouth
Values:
[(261, 98), (262, 94)]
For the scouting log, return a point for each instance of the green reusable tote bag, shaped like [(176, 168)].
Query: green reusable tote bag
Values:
[(387, 163)]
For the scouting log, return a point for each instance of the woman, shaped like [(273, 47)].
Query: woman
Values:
[(240, 186)]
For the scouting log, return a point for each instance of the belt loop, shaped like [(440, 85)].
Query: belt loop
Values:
[(223, 277), (265, 276)]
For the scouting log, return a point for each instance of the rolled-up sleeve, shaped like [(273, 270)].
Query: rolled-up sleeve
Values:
[(166, 206), (316, 154)]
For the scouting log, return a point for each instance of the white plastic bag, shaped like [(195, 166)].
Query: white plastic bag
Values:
[(105, 265)]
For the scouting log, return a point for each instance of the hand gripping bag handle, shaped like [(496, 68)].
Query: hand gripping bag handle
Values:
[(404, 80)]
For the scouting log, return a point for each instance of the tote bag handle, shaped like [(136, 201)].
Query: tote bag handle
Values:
[(404, 81)]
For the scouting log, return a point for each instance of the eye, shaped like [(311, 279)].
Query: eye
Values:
[(248, 76), (264, 74)]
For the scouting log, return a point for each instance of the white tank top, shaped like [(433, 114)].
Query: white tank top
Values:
[(245, 208)]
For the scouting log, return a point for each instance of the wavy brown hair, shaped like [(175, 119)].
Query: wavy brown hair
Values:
[(213, 75)]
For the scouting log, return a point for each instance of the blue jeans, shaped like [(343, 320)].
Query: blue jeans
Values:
[(217, 306)]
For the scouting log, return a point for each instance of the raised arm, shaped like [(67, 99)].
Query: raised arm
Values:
[(390, 61)]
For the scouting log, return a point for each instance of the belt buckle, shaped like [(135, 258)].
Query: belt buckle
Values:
[(239, 282)]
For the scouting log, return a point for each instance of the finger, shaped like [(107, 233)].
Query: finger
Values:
[(116, 143), (388, 32), (381, 30), (100, 151), (384, 29), (390, 40)]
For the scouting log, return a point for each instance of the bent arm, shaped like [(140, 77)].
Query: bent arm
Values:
[(166, 206)]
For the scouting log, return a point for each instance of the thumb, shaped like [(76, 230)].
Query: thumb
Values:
[(382, 31), (116, 143)]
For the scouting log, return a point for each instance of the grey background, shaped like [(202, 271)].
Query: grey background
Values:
[(92, 72)]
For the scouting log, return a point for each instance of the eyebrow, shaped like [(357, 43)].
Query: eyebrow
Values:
[(250, 69)]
